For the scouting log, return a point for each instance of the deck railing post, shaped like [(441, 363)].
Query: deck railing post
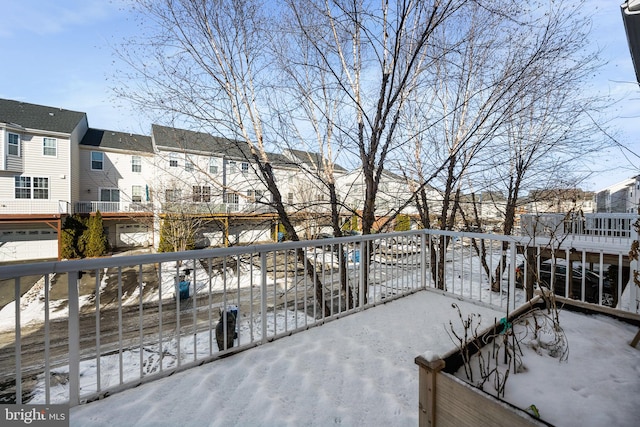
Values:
[(18, 341), (361, 279), (423, 260), (513, 250), (74, 339), (263, 295), (634, 304)]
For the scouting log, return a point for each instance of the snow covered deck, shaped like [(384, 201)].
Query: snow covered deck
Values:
[(357, 370)]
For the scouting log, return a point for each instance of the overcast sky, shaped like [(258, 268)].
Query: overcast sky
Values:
[(60, 53)]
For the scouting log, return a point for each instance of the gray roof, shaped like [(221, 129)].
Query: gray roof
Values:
[(187, 140), (192, 141), (313, 159), (119, 140), (32, 116)]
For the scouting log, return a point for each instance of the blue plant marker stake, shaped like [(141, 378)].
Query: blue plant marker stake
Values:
[(505, 325)]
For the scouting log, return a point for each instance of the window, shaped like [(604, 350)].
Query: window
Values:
[(49, 147), (109, 195), (23, 187), (245, 167), (201, 194), (251, 195), (173, 195), (290, 198), (136, 164), (173, 160), (136, 193), (188, 164), (232, 165), (14, 144), (259, 195), (231, 198), (40, 188), (213, 165), (97, 161), (27, 187)]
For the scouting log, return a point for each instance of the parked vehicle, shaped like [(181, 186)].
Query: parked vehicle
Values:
[(591, 282)]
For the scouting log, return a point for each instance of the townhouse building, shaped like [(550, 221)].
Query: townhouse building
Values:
[(213, 181), (52, 165), (621, 197), (309, 193), (116, 172), (395, 196), (560, 201), (38, 183)]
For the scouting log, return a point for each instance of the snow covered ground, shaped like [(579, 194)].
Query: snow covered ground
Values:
[(359, 370)]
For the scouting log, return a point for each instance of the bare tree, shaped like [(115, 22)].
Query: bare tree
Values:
[(550, 122), (440, 78), (372, 56), (206, 64), (503, 90)]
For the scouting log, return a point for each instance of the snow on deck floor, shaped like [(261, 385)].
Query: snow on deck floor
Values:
[(355, 371)]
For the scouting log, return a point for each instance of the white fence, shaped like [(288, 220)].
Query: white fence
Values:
[(87, 328)]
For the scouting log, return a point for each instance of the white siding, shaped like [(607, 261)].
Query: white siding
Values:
[(3, 148), (33, 163), (178, 177), (73, 168), (6, 187), (116, 173)]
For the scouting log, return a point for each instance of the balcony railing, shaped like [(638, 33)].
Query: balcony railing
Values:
[(112, 207), (605, 225), (215, 208), (87, 328)]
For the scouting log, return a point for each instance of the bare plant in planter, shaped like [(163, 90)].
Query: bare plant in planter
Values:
[(494, 355)]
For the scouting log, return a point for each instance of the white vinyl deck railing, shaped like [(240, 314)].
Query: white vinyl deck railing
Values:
[(598, 225), (79, 330)]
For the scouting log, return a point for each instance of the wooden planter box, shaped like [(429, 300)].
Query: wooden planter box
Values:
[(445, 400)]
